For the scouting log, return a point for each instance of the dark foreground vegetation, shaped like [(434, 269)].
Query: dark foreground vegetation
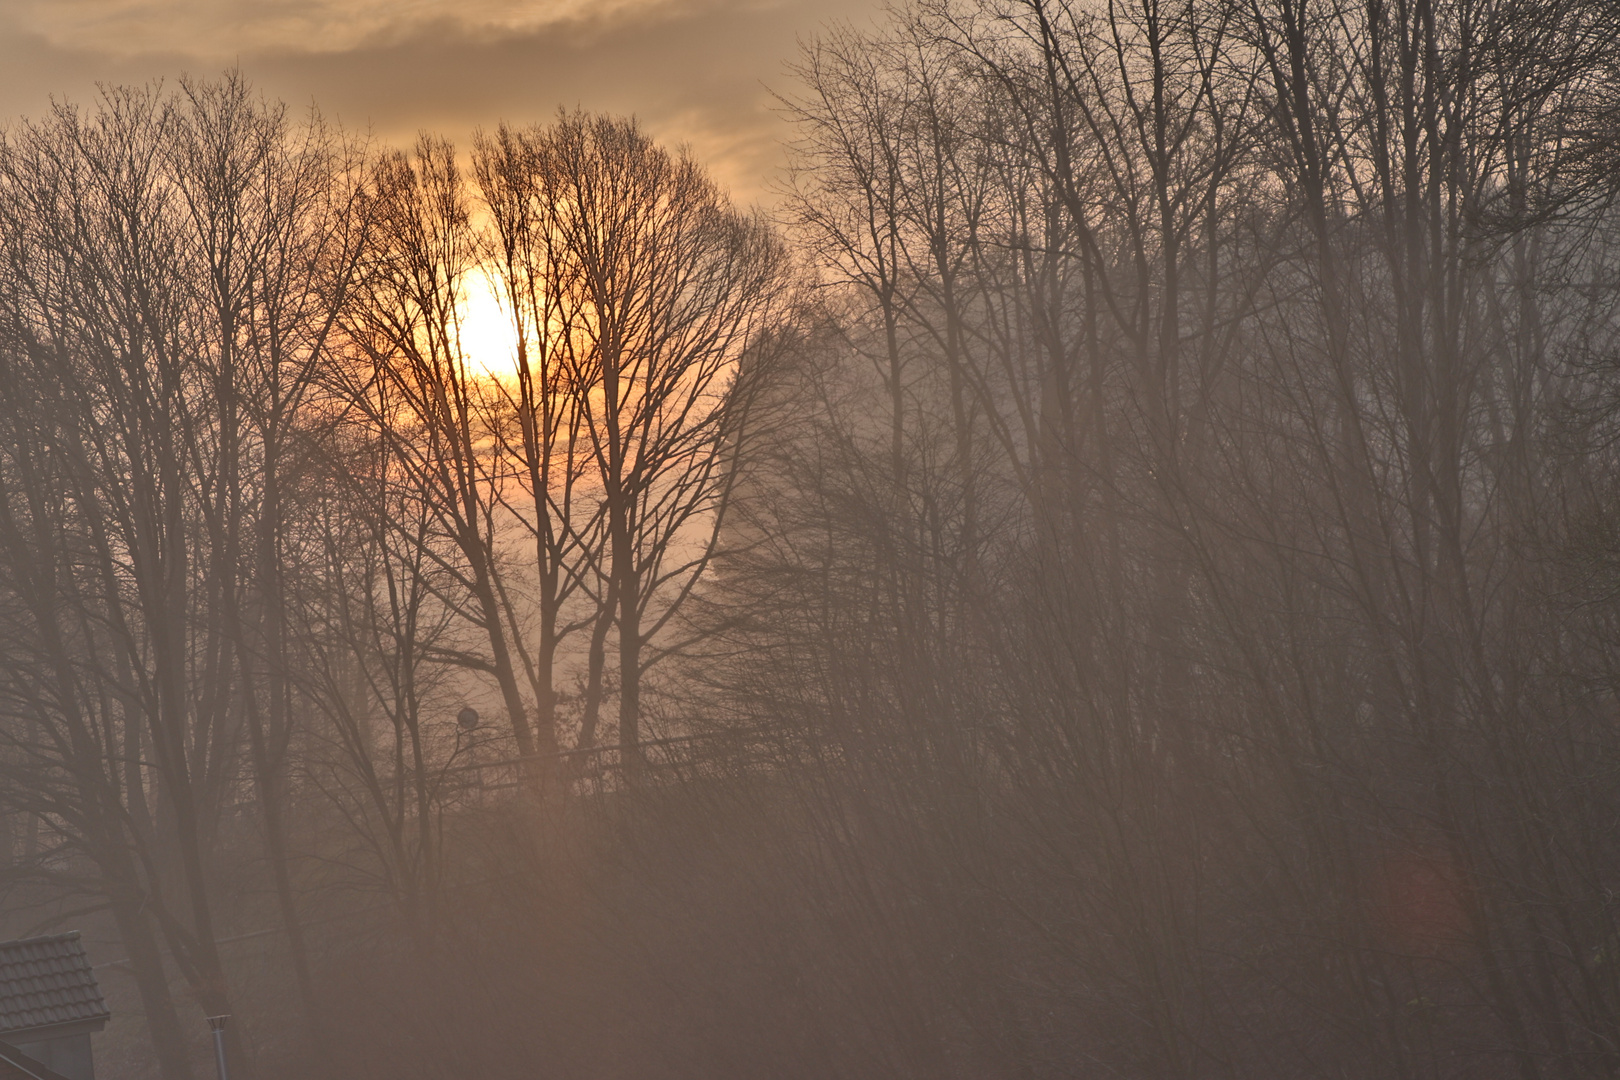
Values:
[(1122, 578)]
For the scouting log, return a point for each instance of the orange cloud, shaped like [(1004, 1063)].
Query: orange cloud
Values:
[(694, 71)]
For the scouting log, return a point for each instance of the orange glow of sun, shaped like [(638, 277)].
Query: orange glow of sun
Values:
[(488, 338)]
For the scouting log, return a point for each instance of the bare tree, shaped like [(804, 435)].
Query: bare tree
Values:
[(176, 262), (420, 390), (662, 291), (378, 652), (539, 423), (273, 223)]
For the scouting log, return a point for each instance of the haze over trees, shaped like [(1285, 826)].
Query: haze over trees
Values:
[(1117, 579)]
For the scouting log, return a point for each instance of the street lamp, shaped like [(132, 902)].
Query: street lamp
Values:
[(216, 1024)]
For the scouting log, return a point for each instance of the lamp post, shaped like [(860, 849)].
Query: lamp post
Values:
[(216, 1024)]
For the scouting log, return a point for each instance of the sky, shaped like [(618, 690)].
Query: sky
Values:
[(694, 71)]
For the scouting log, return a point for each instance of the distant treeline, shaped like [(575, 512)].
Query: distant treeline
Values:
[(1119, 575)]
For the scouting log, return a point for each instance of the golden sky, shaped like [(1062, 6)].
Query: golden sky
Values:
[(694, 71)]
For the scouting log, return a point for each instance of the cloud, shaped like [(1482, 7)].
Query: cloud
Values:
[(223, 28), (694, 71)]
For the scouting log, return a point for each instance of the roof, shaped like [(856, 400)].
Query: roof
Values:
[(16, 1065), (46, 982)]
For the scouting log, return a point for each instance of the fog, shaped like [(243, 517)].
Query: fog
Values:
[(1113, 574)]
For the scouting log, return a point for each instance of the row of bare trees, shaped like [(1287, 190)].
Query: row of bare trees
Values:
[(1185, 605), (269, 522), (173, 270)]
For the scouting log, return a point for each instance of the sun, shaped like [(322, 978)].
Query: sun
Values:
[(488, 339)]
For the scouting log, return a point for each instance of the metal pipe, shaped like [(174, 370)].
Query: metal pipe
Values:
[(216, 1024)]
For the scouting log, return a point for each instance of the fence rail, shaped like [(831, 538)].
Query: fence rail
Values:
[(602, 769)]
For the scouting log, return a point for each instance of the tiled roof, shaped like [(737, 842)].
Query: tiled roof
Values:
[(46, 981)]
